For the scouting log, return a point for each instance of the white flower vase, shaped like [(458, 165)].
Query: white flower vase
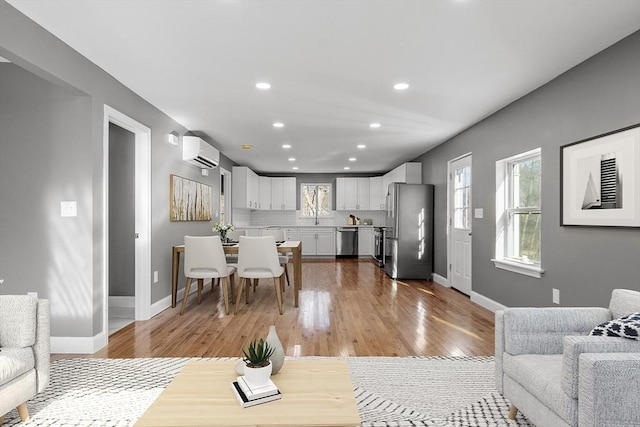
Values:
[(277, 358), (258, 377)]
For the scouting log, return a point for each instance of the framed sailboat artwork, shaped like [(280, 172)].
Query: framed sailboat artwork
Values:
[(601, 180)]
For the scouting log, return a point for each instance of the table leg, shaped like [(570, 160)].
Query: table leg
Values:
[(297, 274), (175, 265)]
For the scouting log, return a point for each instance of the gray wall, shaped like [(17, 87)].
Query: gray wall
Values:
[(52, 150), (122, 169), (584, 263)]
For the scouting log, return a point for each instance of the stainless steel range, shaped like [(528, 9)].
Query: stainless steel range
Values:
[(378, 253)]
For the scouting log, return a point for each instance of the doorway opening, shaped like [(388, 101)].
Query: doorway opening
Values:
[(137, 234)]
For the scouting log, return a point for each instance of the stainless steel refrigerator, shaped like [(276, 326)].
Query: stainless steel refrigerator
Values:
[(409, 231)]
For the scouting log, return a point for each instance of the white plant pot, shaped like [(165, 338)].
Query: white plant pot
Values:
[(258, 377)]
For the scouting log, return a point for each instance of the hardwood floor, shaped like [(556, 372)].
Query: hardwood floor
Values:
[(347, 308)]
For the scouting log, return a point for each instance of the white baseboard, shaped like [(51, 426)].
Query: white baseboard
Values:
[(443, 281), (122, 301), (78, 345), (485, 302), (161, 305)]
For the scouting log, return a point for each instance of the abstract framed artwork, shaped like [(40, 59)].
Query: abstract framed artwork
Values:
[(601, 180), (189, 200)]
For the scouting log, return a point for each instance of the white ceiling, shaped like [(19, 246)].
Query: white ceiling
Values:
[(332, 65)]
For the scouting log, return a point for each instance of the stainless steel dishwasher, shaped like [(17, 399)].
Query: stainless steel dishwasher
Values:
[(346, 242)]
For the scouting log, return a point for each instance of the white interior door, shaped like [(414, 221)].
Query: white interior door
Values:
[(460, 224)]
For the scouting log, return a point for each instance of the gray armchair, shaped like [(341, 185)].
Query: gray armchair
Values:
[(24, 351), (554, 373)]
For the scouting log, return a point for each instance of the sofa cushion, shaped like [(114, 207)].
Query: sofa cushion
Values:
[(625, 327), (15, 362), (541, 376), (19, 315), (623, 302)]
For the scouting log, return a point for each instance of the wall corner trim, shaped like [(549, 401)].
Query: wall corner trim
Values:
[(487, 303)]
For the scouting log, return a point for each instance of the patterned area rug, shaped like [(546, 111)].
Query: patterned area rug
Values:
[(390, 392)]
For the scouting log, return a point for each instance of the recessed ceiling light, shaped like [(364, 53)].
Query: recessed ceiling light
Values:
[(286, 145), (295, 168), (352, 159), (374, 125), (278, 125), (263, 85), (347, 168), (361, 146), (247, 146), (292, 159), (401, 86)]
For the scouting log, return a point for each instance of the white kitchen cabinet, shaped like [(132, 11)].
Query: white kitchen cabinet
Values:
[(265, 193), (245, 188), (409, 173), (365, 241), (352, 194), (377, 194), (283, 193), (318, 240), (291, 233)]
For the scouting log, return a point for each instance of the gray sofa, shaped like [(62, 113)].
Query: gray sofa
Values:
[(24, 351), (556, 375)]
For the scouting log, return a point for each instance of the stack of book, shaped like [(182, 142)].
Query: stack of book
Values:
[(249, 395)]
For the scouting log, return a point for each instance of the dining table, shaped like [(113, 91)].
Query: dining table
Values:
[(288, 246)]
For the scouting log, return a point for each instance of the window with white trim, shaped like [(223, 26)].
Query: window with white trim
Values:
[(315, 200), (519, 214)]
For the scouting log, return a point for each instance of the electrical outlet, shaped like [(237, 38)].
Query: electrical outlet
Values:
[(556, 296), (155, 277)]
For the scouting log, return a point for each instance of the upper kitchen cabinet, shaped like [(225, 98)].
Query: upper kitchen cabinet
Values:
[(377, 194), (245, 185), (283, 193), (265, 193), (352, 194), (408, 173)]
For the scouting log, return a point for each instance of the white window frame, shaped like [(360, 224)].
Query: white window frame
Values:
[(503, 211), (315, 184)]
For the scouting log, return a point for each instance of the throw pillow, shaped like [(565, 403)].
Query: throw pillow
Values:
[(626, 327)]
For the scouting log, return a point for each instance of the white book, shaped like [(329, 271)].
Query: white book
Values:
[(253, 392), (246, 403)]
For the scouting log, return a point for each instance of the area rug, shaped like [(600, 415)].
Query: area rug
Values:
[(390, 392)]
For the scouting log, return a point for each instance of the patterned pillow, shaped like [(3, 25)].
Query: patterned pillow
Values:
[(626, 327)]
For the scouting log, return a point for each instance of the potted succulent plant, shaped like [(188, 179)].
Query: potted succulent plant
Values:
[(257, 364)]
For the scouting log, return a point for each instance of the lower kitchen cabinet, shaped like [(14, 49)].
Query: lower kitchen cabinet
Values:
[(365, 241), (318, 241)]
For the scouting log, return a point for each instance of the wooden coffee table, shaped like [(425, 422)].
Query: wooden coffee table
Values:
[(314, 393)]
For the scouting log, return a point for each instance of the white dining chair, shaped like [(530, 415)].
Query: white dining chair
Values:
[(204, 258), (233, 236), (279, 236), (258, 259)]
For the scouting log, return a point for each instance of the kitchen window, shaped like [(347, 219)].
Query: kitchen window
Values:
[(519, 213), (315, 200)]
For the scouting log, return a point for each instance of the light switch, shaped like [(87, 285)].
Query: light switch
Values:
[(479, 213), (69, 208)]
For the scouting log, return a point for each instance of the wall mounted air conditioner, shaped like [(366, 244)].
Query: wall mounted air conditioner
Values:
[(199, 153)]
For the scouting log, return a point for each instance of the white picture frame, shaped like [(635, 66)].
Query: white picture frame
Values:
[(601, 180)]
